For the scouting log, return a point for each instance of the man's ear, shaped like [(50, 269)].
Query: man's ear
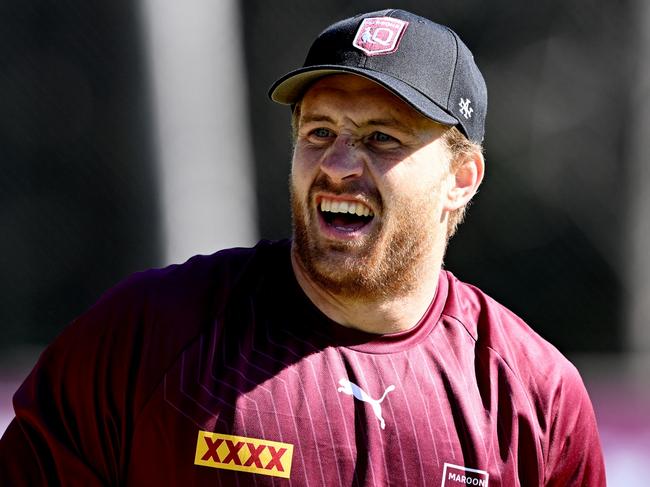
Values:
[(466, 176)]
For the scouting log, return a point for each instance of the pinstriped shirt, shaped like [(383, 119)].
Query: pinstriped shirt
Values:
[(222, 372)]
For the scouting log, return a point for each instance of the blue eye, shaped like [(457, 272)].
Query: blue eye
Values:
[(382, 137), (321, 132)]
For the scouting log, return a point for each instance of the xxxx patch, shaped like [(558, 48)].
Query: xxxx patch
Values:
[(243, 454)]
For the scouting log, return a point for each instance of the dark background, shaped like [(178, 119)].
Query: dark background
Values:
[(78, 197)]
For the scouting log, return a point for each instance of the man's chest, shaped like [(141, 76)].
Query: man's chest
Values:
[(267, 412)]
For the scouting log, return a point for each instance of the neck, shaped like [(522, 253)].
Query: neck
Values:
[(383, 315)]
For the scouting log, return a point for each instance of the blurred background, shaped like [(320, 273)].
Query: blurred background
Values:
[(137, 134)]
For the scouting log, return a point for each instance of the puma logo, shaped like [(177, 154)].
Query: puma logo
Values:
[(351, 389)]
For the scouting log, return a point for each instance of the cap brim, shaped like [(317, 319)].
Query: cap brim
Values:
[(291, 87)]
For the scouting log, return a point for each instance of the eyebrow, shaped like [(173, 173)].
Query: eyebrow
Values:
[(379, 122), (308, 118), (391, 122)]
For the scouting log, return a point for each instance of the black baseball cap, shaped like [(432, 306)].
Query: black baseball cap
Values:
[(424, 63)]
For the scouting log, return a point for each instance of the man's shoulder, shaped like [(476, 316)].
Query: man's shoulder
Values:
[(545, 389), (199, 276), (227, 262), (166, 308), (151, 316), (501, 332)]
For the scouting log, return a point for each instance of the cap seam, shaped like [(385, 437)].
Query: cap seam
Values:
[(410, 86), (453, 77)]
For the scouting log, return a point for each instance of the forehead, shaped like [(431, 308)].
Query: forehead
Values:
[(360, 98)]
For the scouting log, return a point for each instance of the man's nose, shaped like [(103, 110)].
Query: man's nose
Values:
[(344, 159)]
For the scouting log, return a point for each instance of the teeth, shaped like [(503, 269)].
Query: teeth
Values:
[(352, 207)]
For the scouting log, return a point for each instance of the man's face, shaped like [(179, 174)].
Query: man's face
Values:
[(367, 183)]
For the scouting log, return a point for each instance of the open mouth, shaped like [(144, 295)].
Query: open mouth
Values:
[(345, 216)]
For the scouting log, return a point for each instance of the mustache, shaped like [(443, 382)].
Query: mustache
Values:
[(356, 188)]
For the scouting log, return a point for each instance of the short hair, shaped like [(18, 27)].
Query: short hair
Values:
[(460, 147)]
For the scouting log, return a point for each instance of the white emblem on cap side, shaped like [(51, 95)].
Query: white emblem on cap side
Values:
[(465, 109), (379, 35)]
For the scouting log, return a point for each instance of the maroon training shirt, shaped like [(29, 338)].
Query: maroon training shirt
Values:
[(221, 372)]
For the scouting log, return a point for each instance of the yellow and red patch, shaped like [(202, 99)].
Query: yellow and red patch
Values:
[(243, 454)]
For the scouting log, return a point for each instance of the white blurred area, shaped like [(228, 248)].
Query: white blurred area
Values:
[(628, 458), (202, 134), (638, 218)]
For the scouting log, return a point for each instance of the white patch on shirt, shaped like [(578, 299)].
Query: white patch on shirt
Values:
[(351, 389), (455, 475)]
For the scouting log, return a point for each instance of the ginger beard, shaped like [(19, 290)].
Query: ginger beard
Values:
[(383, 264)]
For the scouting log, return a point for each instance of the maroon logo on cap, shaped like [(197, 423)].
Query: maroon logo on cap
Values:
[(379, 35)]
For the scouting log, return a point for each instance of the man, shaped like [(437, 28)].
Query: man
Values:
[(344, 357)]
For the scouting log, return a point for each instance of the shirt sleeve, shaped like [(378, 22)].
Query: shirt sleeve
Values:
[(77, 410), (72, 411), (574, 451)]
